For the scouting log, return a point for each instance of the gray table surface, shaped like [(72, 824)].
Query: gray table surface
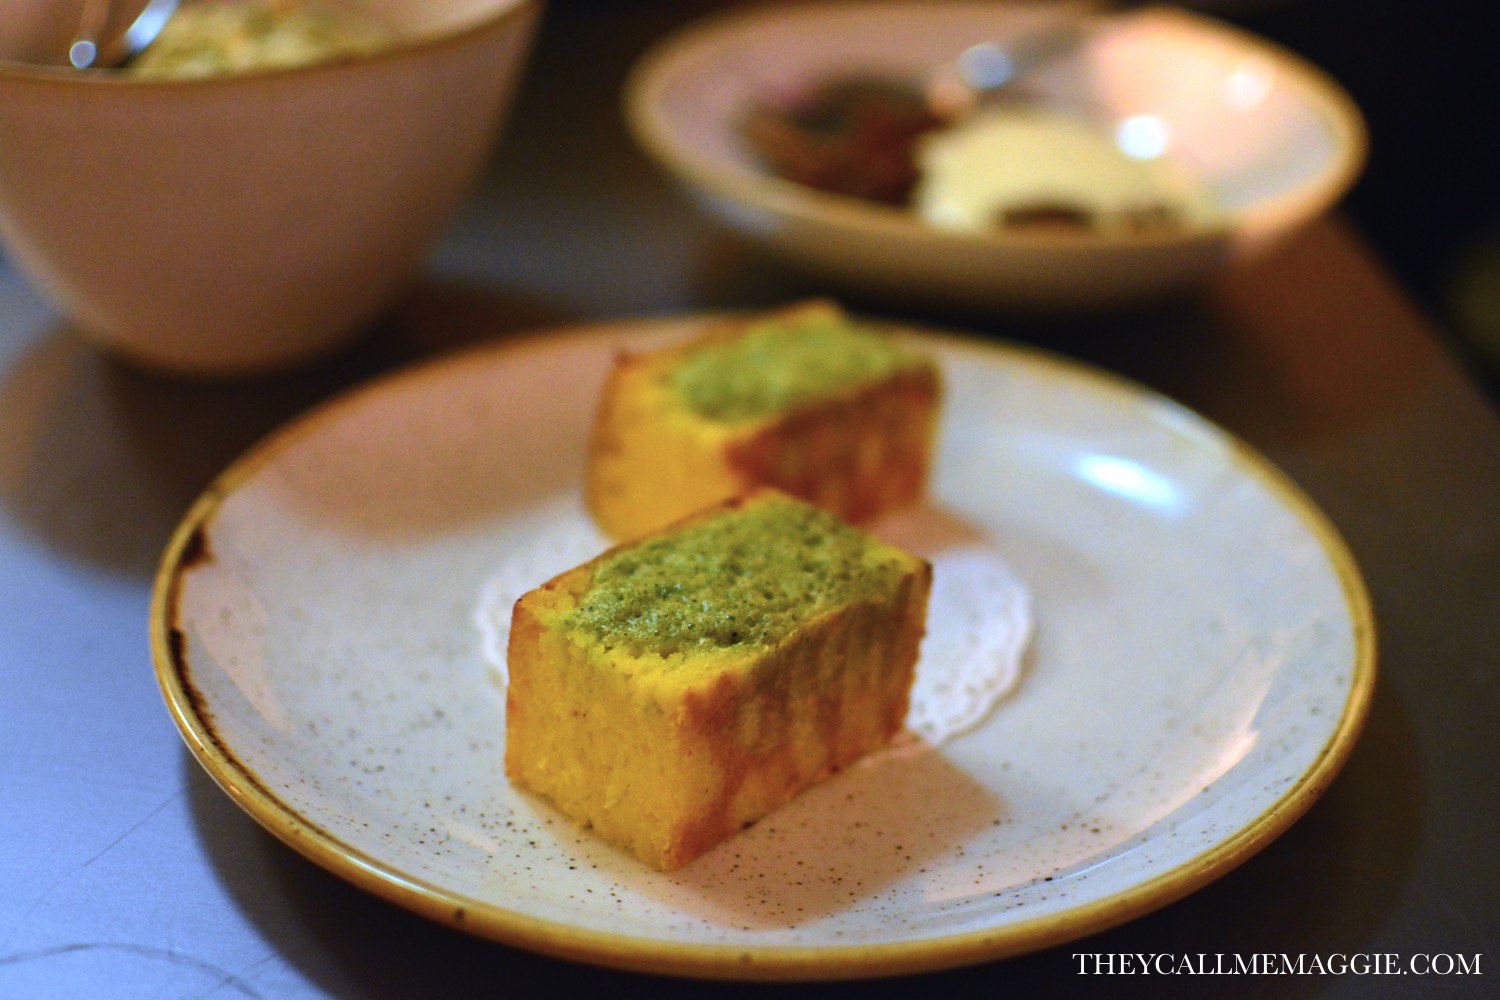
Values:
[(124, 872)]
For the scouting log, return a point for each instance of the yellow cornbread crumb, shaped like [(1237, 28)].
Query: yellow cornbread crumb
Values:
[(805, 400), (674, 690)]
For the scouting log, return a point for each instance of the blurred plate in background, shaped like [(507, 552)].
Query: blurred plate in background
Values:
[(1272, 141)]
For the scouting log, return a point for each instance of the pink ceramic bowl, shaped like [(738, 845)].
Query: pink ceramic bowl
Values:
[(238, 224)]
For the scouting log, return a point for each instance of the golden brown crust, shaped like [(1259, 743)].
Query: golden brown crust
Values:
[(860, 456), (851, 723)]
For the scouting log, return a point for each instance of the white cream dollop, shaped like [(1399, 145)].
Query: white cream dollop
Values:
[(1026, 156)]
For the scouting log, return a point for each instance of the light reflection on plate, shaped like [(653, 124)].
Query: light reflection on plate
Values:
[(1202, 660)]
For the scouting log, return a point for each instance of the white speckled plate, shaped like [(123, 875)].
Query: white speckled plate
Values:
[(1202, 661)]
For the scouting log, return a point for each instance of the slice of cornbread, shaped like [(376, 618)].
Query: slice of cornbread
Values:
[(673, 690), (806, 400)]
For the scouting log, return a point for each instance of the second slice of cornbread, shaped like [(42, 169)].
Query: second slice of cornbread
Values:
[(806, 399), (676, 689)]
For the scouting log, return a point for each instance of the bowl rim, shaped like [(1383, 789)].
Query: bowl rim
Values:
[(649, 79), (403, 47)]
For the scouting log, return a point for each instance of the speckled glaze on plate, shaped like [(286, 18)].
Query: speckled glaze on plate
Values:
[(1202, 662)]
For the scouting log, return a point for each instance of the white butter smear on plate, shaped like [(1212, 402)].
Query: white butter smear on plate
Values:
[(978, 617)]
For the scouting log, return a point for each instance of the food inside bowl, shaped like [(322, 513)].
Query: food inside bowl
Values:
[(853, 136), (1014, 164), (211, 37)]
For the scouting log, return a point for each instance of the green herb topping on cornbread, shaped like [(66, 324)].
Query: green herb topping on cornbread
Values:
[(785, 363), (749, 576)]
